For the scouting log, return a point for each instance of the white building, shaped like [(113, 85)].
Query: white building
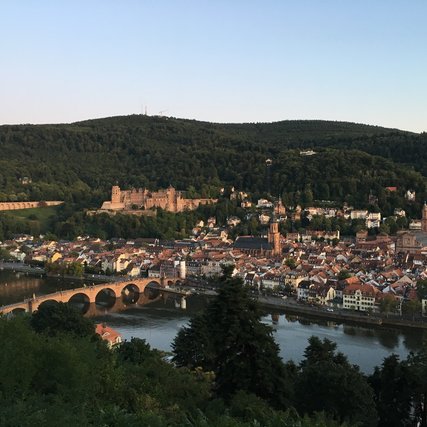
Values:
[(359, 297), (373, 220), (264, 203), (358, 214), (410, 195), (303, 290)]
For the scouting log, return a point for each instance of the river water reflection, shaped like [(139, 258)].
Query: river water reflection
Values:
[(159, 321)]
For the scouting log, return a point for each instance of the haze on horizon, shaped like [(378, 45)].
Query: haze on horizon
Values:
[(240, 61)]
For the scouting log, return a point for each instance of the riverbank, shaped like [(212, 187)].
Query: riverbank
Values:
[(20, 267), (291, 306), (367, 346), (29, 269), (159, 321), (340, 315)]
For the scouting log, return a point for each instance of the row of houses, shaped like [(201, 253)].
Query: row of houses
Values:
[(311, 269)]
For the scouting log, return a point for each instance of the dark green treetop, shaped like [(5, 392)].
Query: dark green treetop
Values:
[(230, 339)]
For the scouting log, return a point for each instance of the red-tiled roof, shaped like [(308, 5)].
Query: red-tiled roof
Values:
[(107, 333), (366, 290)]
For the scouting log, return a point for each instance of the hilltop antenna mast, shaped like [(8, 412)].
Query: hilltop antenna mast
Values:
[(268, 164)]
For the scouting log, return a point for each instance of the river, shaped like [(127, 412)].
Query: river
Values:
[(159, 321)]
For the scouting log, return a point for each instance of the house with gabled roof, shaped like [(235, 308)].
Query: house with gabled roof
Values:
[(271, 279), (321, 293), (303, 290), (359, 297), (109, 335), (294, 278)]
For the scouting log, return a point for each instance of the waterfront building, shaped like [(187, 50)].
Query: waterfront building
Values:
[(360, 297), (303, 290), (109, 335)]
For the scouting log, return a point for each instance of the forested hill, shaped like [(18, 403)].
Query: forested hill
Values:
[(81, 161)]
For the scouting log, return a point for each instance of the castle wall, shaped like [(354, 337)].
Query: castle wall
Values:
[(11, 206), (169, 200)]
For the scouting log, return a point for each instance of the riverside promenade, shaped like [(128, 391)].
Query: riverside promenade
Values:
[(291, 306), (29, 269)]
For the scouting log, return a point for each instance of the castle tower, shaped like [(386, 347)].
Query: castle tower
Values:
[(274, 236), (115, 194), (424, 218), (171, 197)]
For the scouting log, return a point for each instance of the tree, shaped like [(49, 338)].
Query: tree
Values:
[(60, 317), (388, 304), (5, 254), (327, 382), (412, 308), (135, 351), (307, 196), (193, 347), (335, 242), (51, 380), (417, 366), (290, 262), (393, 392), (229, 338), (422, 289), (343, 274)]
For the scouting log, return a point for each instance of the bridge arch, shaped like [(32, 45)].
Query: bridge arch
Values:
[(105, 294), (106, 297), (130, 294), (18, 311), (152, 289), (80, 301), (44, 303)]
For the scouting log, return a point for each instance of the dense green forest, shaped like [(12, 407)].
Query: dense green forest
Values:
[(227, 373), (80, 162)]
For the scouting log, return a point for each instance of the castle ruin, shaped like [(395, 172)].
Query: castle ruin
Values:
[(170, 200)]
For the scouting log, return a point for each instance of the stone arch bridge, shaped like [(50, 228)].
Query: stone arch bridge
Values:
[(90, 293)]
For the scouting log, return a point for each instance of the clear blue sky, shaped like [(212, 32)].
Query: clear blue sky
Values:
[(218, 60)]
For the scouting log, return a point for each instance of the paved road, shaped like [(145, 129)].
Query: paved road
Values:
[(291, 305), (18, 266)]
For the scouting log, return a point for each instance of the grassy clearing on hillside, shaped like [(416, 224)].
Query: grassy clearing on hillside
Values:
[(37, 215)]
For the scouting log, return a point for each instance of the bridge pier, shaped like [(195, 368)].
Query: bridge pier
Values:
[(90, 293)]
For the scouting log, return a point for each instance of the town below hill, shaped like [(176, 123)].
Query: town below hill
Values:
[(364, 275), (319, 215)]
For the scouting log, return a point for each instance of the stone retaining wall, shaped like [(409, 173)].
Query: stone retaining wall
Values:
[(13, 206)]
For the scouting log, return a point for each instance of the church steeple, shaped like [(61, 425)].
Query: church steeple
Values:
[(424, 218), (274, 235)]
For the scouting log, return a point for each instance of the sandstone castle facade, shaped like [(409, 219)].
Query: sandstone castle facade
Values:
[(170, 200)]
